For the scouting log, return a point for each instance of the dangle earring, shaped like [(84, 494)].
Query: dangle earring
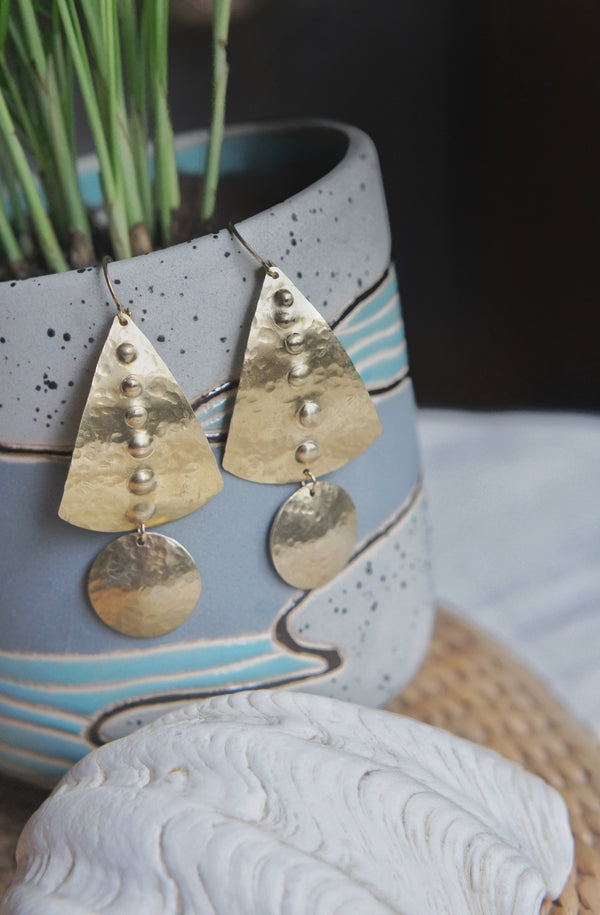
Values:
[(140, 459), (301, 409)]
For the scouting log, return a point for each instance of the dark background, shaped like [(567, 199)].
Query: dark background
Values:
[(485, 116)]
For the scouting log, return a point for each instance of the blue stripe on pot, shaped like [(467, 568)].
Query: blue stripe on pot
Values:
[(373, 335), (38, 714), (46, 721), (42, 740), (65, 669), (85, 700), (387, 362), (40, 768)]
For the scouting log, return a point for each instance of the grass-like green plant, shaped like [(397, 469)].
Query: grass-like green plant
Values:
[(115, 52)]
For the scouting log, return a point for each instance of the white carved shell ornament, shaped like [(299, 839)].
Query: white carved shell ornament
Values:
[(283, 803)]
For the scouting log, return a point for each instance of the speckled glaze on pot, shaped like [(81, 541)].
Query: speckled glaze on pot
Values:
[(67, 681)]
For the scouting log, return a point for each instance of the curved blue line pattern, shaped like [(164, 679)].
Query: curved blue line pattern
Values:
[(47, 703), (85, 699), (373, 335), (66, 670), (43, 723)]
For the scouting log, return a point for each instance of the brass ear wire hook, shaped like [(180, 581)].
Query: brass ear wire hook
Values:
[(122, 312), (268, 265)]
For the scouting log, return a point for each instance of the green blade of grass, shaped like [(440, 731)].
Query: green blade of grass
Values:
[(23, 96), (21, 113), (10, 245), (4, 14), (115, 207), (72, 201), (57, 168), (167, 182), (135, 64), (18, 215), (221, 17), (42, 225), (36, 144), (139, 144), (134, 53), (32, 37), (126, 164), (106, 55), (64, 78)]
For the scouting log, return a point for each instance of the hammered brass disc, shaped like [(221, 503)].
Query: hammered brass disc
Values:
[(144, 588), (313, 535)]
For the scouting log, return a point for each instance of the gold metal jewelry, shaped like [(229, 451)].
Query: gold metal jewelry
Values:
[(301, 409), (140, 459)]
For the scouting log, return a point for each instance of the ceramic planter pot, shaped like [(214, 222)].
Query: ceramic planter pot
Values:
[(68, 681)]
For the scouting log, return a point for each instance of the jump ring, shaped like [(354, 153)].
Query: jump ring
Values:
[(310, 478)]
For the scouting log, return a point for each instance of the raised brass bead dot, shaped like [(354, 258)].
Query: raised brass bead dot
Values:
[(294, 343), (309, 413), (141, 512), (142, 481), (126, 353), (140, 444), (298, 375), (136, 416), (307, 452), (131, 386), (284, 298), (284, 318)]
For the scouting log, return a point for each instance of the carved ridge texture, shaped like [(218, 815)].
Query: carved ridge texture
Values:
[(280, 802)]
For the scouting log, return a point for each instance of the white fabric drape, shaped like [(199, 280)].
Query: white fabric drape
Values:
[(514, 501)]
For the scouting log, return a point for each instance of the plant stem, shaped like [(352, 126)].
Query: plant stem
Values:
[(32, 37), (17, 212), (20, 112), (116, 122), (135, 64), (43, 227), (8, 240), (4, 17), (117, 51), (115, 208), (106, 54), (167, 181), (64, 77), (53, 119), (221, 16), (24, 95), (78, 223)]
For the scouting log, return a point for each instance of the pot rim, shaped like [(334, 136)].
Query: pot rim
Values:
[(359, 144)]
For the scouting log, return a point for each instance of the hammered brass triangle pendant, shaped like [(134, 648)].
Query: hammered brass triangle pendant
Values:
[(300, 402), (140, 456)]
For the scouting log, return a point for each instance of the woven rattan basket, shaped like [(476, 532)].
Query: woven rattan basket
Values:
[(474, 688)]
